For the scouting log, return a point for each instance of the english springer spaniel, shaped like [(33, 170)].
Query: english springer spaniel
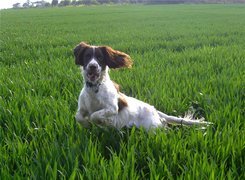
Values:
[(100, 100)]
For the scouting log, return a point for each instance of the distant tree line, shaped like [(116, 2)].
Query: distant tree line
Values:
[(89, 2), (61, 3)]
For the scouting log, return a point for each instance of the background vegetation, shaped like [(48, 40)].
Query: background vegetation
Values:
[(62, 3), (184, 56)]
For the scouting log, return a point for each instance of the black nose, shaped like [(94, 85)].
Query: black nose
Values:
[(92, 67)]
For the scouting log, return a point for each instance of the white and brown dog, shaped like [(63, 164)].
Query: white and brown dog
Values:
[(102, 103)]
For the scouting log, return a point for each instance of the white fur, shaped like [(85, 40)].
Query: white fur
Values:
[(102, 108)]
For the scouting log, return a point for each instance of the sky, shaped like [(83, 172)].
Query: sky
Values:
[(4, 4)]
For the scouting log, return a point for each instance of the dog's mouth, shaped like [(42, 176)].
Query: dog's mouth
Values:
[(93, 75)]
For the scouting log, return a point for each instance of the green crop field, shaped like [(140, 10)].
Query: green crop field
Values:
[(185, 57)]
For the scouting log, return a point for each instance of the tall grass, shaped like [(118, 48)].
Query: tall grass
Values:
[(184, 56)]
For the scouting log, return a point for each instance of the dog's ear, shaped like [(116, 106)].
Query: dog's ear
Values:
[(78, 53), (116, 59)]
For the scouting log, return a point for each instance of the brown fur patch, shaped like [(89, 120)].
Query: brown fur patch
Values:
[(78, 52), (122, 103), (116, 86), (121, 100), (116, 59)]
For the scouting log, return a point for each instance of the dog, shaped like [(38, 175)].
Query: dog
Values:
[(100, 100)]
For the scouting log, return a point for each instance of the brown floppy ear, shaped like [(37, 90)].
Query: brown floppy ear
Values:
[(116, 59), (78, 53)]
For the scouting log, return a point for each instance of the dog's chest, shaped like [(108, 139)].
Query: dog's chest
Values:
[(95, 101), (94, 104)]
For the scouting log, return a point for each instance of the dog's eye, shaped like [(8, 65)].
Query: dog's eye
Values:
[(88, 56), (100, 58)]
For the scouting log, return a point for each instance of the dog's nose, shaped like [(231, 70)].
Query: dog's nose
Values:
[(92, 67)]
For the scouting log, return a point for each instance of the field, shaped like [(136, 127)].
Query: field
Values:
[(185, 56)]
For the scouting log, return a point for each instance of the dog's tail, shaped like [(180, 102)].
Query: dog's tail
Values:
[(188, 120)]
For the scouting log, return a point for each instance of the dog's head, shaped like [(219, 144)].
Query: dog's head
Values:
[(95, 59)]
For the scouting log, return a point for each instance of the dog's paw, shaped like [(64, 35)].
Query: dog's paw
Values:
[(79, 117), (94, 118), (84, 121), (99, 121)]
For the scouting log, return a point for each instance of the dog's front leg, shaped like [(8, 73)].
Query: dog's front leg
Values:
[(82, 112), (102, 116), (82, 118)]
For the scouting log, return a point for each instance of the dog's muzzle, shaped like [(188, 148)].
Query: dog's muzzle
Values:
[(93, 72)]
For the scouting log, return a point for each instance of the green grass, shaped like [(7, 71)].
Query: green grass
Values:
[(184, 56)]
